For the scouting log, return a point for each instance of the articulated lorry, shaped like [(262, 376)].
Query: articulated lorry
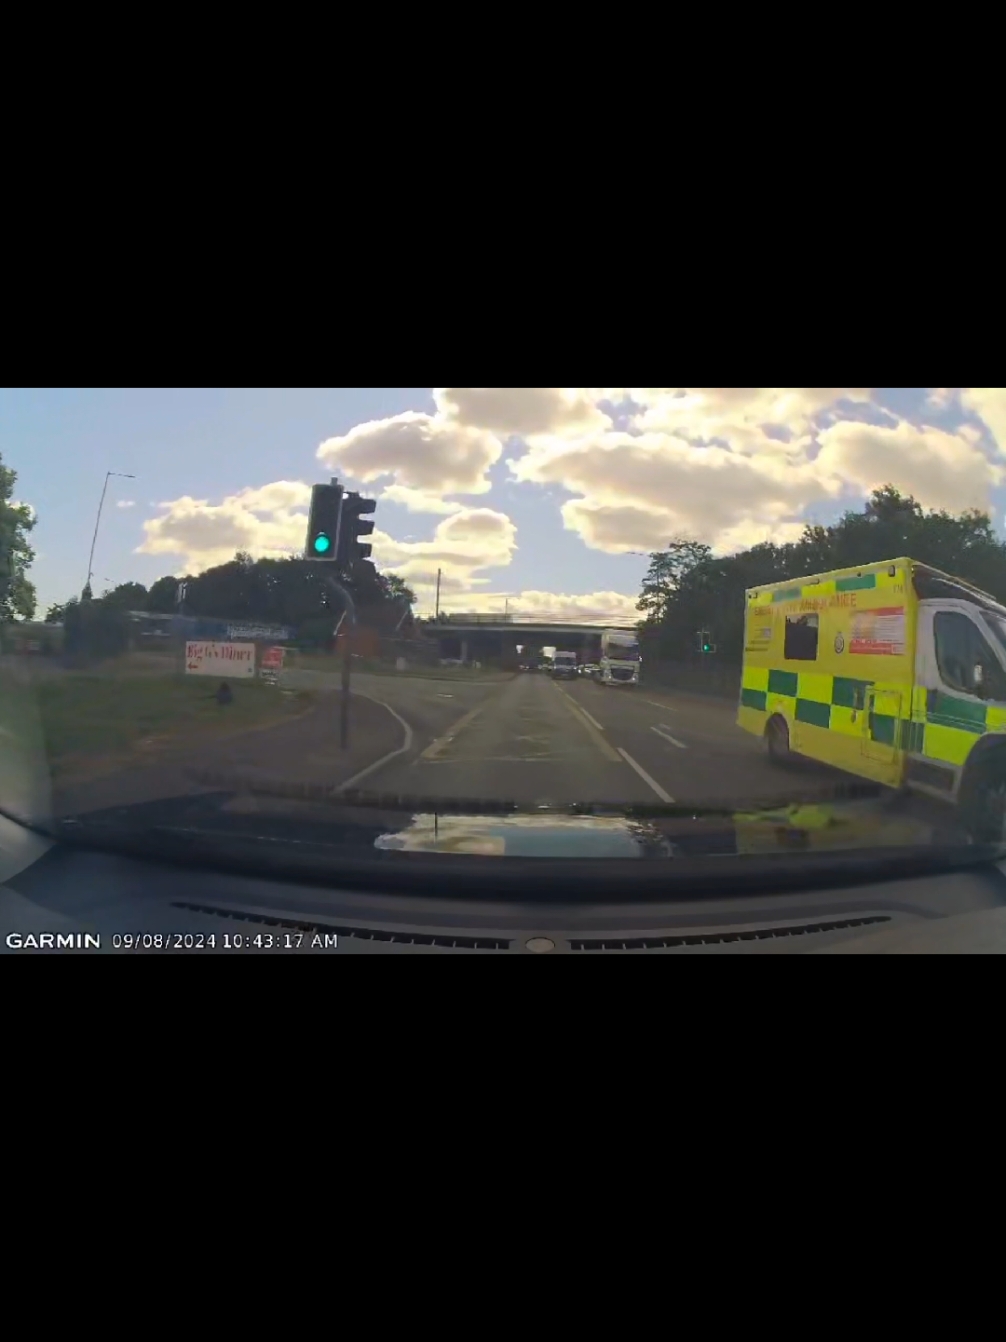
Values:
[(619, 657)]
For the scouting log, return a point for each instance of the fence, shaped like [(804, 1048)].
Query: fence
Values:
[(708, 677)]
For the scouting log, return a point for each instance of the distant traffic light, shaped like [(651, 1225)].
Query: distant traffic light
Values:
[(323, 522), (704, 642), (351, 549)]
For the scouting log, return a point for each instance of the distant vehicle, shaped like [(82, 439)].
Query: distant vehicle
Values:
[(564, 665), (620, 658), (589, 669)]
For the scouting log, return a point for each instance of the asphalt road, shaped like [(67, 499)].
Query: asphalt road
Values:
[(536, 740)]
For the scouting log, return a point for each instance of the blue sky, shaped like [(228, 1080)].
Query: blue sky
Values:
[(540, 491)]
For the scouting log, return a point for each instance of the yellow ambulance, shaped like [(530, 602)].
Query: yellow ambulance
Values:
[(894, 672)]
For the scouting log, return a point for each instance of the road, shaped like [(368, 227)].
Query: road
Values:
[(526, 739), (533, 740)]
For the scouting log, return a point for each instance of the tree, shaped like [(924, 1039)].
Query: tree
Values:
[(126, 596), (17, 594), (396, 589), (56, 613), (291, 592), (93, 632), (162, 599), (685, 590), (665, 574)]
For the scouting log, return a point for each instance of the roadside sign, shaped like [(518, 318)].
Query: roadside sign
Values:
[(220, 659), (272, 659)]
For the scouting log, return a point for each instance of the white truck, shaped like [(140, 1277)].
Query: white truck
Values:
[(619, 658), (564, 665)]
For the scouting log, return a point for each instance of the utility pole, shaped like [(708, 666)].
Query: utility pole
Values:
[(436, 610), (94, 539), (348, 617)]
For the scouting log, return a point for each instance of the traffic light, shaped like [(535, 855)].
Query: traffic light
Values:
[(704, 642), (323, 522), (351, 549)]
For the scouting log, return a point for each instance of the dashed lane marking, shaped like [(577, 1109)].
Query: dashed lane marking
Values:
[(664, 733), (590, 718), (594, 732), (665, 707), (651, 782)]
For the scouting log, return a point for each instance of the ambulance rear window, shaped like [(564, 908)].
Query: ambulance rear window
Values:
[(801, 638)]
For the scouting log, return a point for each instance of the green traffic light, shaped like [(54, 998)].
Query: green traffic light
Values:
[(321, 544)]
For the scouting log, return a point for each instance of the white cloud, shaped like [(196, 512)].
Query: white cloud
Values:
[(463, 546), (419, 500), (989, 404), (737, 466), (430, 453), (262, 521), (729, 466), (524, 412), (736, 416), (942, 470), (125, 503), (636, 492)]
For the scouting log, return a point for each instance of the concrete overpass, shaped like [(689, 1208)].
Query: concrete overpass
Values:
[(473, 636)]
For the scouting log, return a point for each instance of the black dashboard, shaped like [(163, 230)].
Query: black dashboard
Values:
[(59, 897)]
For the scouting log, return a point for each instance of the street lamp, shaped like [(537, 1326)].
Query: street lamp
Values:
[(90, 559)]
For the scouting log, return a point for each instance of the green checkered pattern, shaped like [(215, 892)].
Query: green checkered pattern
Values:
[(944, 710)]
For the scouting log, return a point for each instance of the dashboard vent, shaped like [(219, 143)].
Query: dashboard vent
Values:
[(443, 939), (723, 938)]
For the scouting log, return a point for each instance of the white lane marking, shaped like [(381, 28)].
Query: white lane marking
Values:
[(590, 718), (589, 725), (351, 782), (645, 776), (664, 732), (438, 746), (666, 707)]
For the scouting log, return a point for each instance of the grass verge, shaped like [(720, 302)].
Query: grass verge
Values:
[(94, 724)]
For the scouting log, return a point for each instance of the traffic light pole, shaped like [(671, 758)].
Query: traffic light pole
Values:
[(335, 525), (350, 620)]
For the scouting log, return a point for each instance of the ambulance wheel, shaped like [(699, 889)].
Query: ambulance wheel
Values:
[(777, 740), (983, 799)]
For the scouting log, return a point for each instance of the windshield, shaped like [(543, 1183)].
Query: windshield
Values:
[(626, 615), (997, 625)]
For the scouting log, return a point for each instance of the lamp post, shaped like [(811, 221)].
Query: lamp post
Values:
[(94, 540)]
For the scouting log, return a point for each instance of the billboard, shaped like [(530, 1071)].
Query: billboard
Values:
[(223, 660)]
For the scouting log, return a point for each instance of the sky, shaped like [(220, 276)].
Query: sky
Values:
[(540, 499)]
